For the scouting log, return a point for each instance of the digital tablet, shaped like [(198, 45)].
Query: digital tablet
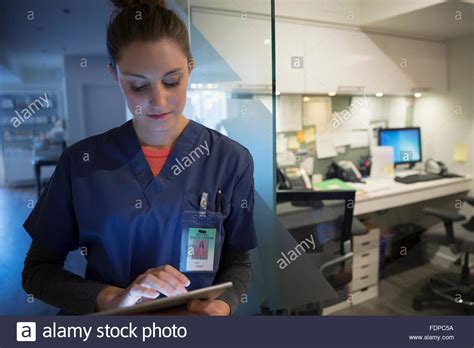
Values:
[(159, 304)]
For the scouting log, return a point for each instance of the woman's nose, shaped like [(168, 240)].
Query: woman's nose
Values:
[(158, 98)]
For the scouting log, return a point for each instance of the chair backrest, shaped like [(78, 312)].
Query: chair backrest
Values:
[(325, 218), (324, 215)]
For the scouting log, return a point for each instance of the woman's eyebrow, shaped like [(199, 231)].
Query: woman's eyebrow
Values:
[(144, 77), (134, 75), (173, 71)]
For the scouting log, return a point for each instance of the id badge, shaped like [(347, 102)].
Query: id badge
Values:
[(200, 241)]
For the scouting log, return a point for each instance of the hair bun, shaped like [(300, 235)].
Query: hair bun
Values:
[(121, 4)]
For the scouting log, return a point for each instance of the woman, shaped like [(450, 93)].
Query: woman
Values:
[(201, 251), (122, 196)]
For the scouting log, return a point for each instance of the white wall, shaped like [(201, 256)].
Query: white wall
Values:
[(442, 128), (76, 78), (241, 41)]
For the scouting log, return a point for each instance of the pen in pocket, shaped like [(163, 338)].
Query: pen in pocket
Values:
[(218, 200)]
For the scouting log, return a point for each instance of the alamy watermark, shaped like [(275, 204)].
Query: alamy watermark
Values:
[(296, 252), (29, 111), (192, 157), (338, 118)]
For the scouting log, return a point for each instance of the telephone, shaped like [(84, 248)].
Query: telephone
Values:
[(344, 170), (293, 179), (283, 183), (436, 167)]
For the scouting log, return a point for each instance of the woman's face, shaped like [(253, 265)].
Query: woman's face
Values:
[(153, 77)]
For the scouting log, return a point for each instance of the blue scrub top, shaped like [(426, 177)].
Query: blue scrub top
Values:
[(104, 196)]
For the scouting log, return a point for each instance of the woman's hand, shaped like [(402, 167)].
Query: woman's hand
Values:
[(165, 280), (213, 307)]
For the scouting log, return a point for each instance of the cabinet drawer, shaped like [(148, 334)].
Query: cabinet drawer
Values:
[(370, 257), (360, 247), (374, 233), (364, 281), (367, 241), (365, 269), (365, 294)]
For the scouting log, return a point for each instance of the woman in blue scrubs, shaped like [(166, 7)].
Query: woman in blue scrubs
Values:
[(105, 199)]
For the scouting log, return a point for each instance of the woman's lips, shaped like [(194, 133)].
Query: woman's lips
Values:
[(159, 116)]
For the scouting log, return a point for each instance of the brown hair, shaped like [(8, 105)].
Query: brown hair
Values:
[(144, 20)]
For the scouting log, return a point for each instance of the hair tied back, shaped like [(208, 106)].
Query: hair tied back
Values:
[(123, 4)]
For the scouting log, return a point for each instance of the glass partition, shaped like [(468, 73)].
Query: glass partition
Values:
[(231, 91)]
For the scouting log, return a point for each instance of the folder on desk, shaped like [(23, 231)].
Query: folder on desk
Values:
[(333, 184)]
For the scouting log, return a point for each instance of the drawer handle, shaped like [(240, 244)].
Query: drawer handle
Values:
[(365, 266), (364, 277), (365, 255), (366, 243)]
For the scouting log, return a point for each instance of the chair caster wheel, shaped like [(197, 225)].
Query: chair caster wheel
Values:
[(417, 303)]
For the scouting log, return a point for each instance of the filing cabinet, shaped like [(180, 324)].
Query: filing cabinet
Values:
[(365, 270), (365, 265)]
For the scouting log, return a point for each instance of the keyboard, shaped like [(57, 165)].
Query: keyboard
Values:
[(411, 179)]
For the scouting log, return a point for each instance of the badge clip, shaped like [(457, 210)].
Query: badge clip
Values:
[(203, 205)]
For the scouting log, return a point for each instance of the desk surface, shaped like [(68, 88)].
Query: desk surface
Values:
[(383, 194)]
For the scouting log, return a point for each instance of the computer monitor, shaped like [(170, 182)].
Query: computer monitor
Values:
[(406, 143)]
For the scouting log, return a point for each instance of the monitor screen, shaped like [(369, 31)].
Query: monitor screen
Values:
[(406, 143)]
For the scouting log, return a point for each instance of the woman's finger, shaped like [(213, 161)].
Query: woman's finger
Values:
[(208, 307), (138, 290), (135, 292), (159, 285), (199, 307), (171, 280), (177, 274)]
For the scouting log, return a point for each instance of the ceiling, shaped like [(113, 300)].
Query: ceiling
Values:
[(79, 27), (59, 26), (443, 21), (424, 19)]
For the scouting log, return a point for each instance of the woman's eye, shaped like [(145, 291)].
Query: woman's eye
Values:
[(171, 84), (138, 88)]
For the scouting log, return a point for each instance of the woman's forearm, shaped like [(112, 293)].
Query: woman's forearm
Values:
[(45, 278), (234, 267)]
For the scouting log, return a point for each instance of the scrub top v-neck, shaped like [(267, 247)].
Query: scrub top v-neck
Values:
[(104, 197)]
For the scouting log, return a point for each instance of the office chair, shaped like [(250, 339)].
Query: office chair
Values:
[(460, 238), (328, 217)]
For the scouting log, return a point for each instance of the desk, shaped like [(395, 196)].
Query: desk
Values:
[(384, 194)]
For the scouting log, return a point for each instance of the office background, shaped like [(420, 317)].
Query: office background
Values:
[(384, 64)]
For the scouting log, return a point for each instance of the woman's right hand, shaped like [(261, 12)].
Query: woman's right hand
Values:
[(165, 280)]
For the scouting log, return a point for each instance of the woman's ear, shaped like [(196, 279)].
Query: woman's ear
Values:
[(191, 63), (112, 71)]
